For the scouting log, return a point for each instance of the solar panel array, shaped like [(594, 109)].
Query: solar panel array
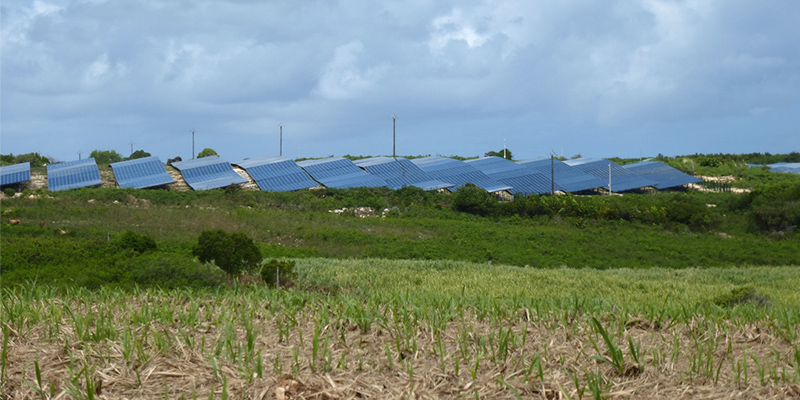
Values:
[(208, 173), (141, 173), (458, 173), (15, 173), (401, 172), (568, 178), (793, 168), (73, 175), (338, 172), (622, 180), (523, 180), (277, 174), (664, 175)]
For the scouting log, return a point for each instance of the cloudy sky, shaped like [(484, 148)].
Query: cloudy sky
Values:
[(597, 78)]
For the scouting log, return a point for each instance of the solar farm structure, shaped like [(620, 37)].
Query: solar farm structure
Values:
[(522, 180), (208, 173), (73, 175), (664, 175), (277, 174), (793, 168), (401, 172), (17, 173), (619, 179), (567, 177), (141, 173), (341, 173), (458, 173)]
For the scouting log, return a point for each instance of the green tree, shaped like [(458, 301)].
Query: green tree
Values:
[(474, 200), (35, 159), (139, 154), (233, 253), (105, 156), (504, 153), (207, 152)]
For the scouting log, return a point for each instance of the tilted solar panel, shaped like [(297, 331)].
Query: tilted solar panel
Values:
[(458, 173), (570, 179), (524, 180), (15, 173), (401, 172), (208, 173), (793, 168), (277, 174), (141, 173), (73, 174), (338, 172), (664, 175), (621, 179)]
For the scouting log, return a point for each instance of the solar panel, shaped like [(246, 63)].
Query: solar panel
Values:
[(141, 173), (277, 174), (73, 174), (663, 174), (401, 172), (338, 172), (458, 173), (524, 180), (568, 178), (621, 179), (15, 173), (793, 168), (208, 173)]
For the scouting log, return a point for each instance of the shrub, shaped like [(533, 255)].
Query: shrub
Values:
[(105, 156), (277, 272), (233, 253), (169, 271), (136, 242), (474, 200), (10, 192), (742, 295)]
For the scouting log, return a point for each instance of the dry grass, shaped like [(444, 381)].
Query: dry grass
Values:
[(175, 345)]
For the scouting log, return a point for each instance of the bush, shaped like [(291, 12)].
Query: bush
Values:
[(206, 153), (169, 271), (233, 253), (275, 270), (136, 242), (9, 192), (474, 200), (105, 156)]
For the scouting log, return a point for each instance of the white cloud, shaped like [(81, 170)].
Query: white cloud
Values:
[(342, 78)]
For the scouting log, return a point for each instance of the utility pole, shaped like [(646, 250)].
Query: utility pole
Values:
[(79, 154), (192, 143), (552, 174), (131, 143), (280, 126), (394, 136), (609, 179), (504, 149)]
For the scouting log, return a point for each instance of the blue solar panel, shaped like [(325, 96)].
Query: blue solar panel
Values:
[(568, 178), (208, 173), (401, 172), (15, 173), (793, 168), (73, 174), (524, 180), (337, 172), (621, 179), (277, 174), (141, 173), (663, 174), (458, 173)]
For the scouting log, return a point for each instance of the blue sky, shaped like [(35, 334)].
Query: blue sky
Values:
[(600, 79)]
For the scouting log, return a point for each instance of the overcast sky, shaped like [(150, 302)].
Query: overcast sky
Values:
[(597, 78)]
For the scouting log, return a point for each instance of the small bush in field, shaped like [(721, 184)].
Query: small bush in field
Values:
[(474, 200), (9, 192), (136, 242), (274, 270), (233, 253)]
